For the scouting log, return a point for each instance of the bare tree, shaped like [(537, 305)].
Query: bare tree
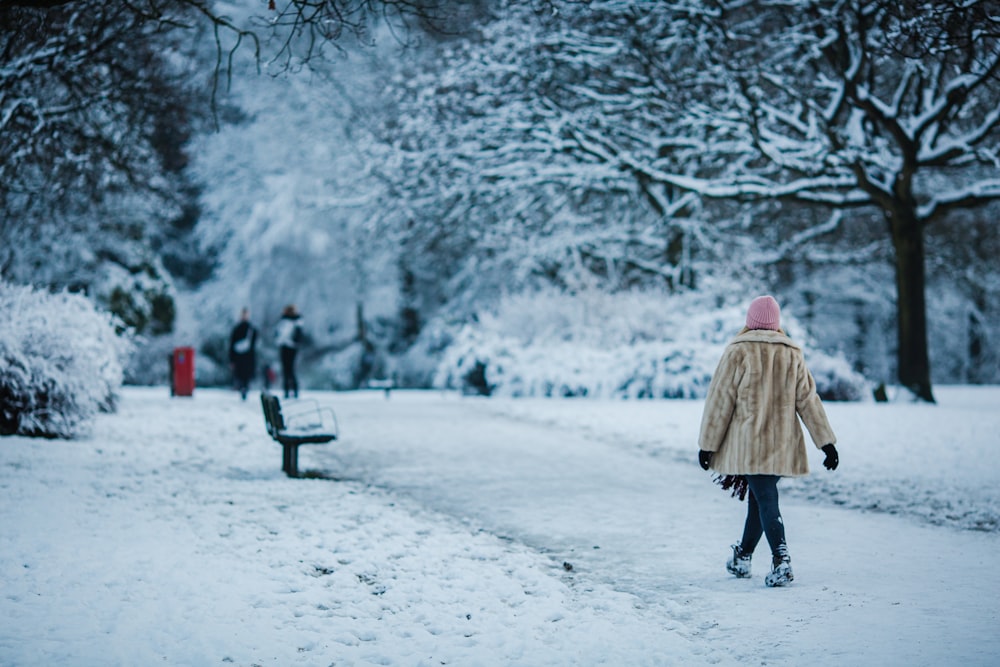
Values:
[(500, 145), (97, 101), (95, 111), (877, 103), (836, 104), (847, 104)]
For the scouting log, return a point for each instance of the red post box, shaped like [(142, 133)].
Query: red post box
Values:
[(182, 371)]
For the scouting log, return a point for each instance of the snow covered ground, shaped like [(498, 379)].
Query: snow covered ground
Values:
[(464, 531)]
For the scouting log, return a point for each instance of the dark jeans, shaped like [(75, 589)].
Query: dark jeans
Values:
[(242, 385), (242, 372), (291, 383), (763, 516)]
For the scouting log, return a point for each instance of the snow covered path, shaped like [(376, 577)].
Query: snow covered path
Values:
[(171, 536), (870, 589)]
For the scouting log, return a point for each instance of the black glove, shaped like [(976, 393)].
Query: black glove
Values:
[(704, 459), (832, 460)]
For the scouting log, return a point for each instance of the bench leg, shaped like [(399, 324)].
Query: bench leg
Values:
[(290, 460)]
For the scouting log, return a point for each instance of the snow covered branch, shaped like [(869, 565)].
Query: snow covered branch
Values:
[(972, 196)]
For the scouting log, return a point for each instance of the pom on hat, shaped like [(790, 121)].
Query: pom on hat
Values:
[(764, 313)]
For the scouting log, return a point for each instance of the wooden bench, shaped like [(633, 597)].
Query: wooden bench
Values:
[(302, 425)]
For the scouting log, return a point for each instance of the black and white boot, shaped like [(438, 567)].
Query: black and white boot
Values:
[(781, 573), (739, 564)]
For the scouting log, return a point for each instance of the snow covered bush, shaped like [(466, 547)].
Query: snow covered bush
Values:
[(626, 345), (60, 362), (836, 380), (338, 371)]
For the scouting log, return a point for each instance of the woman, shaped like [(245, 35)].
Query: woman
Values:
[(242, 347), (288, 335), (750, 431)]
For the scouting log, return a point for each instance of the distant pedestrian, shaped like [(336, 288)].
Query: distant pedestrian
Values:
[(750, 432), (242, 350), (288, 335), (270, 377)]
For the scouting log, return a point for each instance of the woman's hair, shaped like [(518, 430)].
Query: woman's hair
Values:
[(746, 329), (290, 311)]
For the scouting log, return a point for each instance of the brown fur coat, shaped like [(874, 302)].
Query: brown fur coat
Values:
[(758, 392)]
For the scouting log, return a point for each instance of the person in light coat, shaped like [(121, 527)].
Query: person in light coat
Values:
[(750, 432), (288, 336)]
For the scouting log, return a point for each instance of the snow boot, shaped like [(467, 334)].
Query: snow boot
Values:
[(781, 573), (739, 564)]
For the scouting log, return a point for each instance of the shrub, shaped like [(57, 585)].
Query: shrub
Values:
[(627, 345), (61, 362)]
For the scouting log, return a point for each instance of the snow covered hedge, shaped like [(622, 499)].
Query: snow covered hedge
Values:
[(61, 362), (627, 345)]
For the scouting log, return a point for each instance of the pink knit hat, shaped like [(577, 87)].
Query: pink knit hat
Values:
[(764, 313)]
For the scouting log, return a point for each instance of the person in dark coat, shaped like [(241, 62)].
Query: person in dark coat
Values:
[(288, 335), (242, 348)]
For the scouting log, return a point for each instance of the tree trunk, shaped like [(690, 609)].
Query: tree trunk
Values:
[(913, 361), (359, 315)]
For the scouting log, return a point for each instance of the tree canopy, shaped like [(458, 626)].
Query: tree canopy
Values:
[(513, 145)]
